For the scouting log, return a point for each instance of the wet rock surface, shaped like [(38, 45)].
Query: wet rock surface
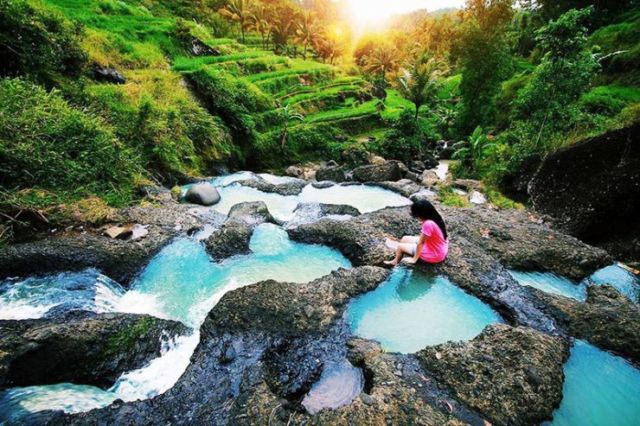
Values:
[(513, 376), (233, 237), (331, 173), (120, 260), (203, 194), (292, 187), (607, 319), (80, 347)]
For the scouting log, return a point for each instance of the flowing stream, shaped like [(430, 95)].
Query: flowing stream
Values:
[(409, 311), (621, 279)]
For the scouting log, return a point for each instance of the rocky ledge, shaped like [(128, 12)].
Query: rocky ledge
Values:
[(80, 347), (512, 375)]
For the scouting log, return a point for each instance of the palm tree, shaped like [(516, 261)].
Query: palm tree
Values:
[(260, 18), (420, 83), (472, 151), (306, 31), (382, 60), (238, 11), (288, 114)]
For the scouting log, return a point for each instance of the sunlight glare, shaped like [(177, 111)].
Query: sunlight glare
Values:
[(373, 12)]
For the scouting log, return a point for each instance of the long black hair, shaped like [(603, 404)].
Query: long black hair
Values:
[(424, 210)]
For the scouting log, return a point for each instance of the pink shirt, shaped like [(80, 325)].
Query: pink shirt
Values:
[(435, 247)]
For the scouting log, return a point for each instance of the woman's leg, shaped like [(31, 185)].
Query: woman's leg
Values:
[(410, 239), (403, 248)]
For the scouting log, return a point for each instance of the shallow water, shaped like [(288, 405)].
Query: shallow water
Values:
[(600, 389), (413, 310), (363, 197), (338, 385), (181, 283), (624, 281), (551, 283)]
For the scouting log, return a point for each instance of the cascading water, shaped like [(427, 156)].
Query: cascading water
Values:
[(624, 281), (413, 310)]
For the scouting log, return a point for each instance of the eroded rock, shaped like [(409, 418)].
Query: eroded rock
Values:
[(388, 171), (513, 376), (80, 347), (203, 194)]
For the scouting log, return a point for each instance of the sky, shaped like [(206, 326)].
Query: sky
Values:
[(375, 11)]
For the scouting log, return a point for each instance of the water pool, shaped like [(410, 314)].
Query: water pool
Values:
[(339, 384), (621, 279), (413, 310), (363, 197), (600, 389)]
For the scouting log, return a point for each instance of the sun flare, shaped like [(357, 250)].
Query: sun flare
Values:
[(372, 12)]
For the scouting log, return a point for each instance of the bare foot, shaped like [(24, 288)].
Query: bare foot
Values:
[(391, 263)]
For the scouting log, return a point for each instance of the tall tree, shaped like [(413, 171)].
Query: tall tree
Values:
[(420, 83), (482, 52), (382, 61), (261, 18), (238, 11), (307, 29)]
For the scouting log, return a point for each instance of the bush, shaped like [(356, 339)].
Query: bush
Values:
[(37, 42), (405, 141), (46, 143)]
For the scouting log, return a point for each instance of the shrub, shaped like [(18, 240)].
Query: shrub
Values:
[(37, 42), (46, 143), (405, 141)]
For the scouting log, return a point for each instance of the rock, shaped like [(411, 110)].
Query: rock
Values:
[(157, 193), (404, 187), (417, 166), (199, 48), (323, 184), (607, 319), (430, 179), (513, 376), (592, 189), (204, 194), (292, 187), (429, 161), (469, 185), (121, 232), (477, 198), (389, 171), (295, 172), (234, 235), (279, 308), (110, 75), (376, 160), (331, 173), (231, 239), (79, 347)]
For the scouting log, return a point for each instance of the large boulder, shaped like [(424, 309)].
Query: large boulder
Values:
[(80, 347), (389, 171), (204, 194), (592, 189), (513, 376), (234, 236), (109, 75), (291, 187), (331, 173)]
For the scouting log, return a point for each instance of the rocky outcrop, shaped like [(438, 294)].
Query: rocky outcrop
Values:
[(513, 376), (290, 309), (120, 260), (592, 189), (292, 187), (109, 75), (203, 194), (607, 319), (80, 347), (233, 237), (200, 48), (331, 173), (389, 171)]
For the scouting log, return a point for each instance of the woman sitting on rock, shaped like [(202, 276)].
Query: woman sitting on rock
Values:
[(431, 246)]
